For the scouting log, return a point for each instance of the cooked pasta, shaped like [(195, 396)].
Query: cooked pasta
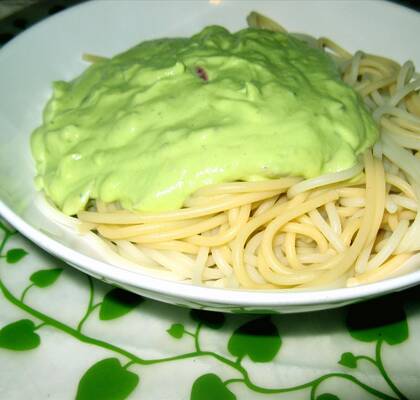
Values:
[(347, 228)]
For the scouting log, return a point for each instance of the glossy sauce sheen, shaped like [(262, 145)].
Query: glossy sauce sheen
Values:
[(152, 125)]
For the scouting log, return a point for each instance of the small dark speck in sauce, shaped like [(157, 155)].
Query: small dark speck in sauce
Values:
[(201, 73)]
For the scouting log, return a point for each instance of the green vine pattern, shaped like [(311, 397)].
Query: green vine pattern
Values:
[(258, 339)]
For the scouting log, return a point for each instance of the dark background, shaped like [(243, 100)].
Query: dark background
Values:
[(18, 21)]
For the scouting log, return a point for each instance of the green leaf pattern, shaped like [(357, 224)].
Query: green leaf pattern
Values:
[(379, 319), (211, 319), (327, 396), (259, 339), (118, 302), (106, 380), (348, 360), (256, 339), (19, 336), (45, 277), (15, 255), (176, 331), (210, 387)]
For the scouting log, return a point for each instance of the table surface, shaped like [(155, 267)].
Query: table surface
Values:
[(64, 335)]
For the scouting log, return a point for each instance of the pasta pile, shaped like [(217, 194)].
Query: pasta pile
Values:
[(343, 229)]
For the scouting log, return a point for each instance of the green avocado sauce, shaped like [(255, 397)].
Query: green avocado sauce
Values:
[(152, 125)]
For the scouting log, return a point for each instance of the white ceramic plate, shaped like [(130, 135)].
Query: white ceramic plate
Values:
[(52, 50)]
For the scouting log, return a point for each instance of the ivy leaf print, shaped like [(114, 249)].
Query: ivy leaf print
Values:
[(45, 277), (211, 319), (15, 255), (19, 336), (118, 302), (176, 331), (348, 360), (327, 396), (107, 380), (259, 339), (210, 387), (377, 319)]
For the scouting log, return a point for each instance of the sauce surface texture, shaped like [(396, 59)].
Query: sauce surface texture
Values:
[(152, 125)]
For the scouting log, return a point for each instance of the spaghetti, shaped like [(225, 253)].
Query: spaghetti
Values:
[(349, 228)]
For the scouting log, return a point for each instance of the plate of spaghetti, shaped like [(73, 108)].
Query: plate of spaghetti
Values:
[(235, 159)]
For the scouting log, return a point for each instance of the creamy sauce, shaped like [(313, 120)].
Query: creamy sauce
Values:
[(152, 125)]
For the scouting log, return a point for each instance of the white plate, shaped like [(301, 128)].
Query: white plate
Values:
[(52, 50)]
